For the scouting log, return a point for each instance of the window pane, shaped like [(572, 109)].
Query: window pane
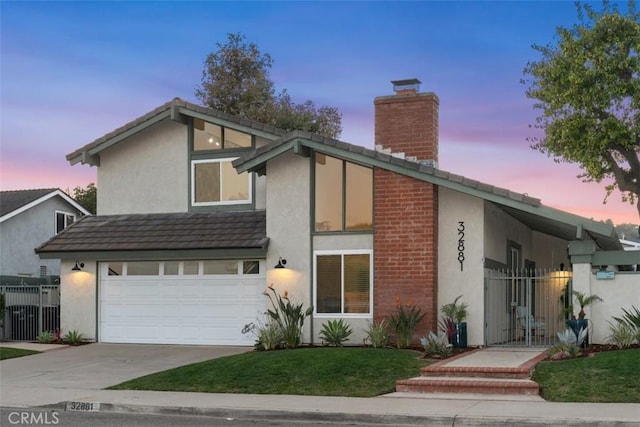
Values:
[(206, 136), (328, 284), (235, 186), (115, 269), (250, 267), (328, 193), (235, 139), (359, 199), (69, 219), (171, 268), (59, 222), (207, 182), (143, 268), (356, 283), (220, 267), (190, 268)]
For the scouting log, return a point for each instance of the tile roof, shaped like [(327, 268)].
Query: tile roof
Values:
[(176, 102), (15, 199), (409, 165), (166, 231)]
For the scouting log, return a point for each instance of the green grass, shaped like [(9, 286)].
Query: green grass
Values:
[(612, 376), (10, 353), (354, 372)]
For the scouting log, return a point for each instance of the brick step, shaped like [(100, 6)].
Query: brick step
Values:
[(468, 385), (475, 371)]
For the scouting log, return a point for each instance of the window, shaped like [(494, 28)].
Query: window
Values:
[(343, 195), (216, 182), (343, 282), (207, 136), (63, 220), (143, 268), (183, 268)]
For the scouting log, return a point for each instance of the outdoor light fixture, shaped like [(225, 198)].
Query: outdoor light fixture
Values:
[(78, 266), (281, 263)]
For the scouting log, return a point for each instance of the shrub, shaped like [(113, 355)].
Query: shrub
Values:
[(45, 337), (335, 332), (289, 317), (404, 322), (622, 335), (569, 345), (632, 319), (436, 345), (73, 338), (378, 334), (452, 313)]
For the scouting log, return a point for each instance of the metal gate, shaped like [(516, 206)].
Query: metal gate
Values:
[(525, 307), (28, 311)]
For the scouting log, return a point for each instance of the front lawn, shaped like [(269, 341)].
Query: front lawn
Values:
[(322, 371), (612, 376), (10, 352)]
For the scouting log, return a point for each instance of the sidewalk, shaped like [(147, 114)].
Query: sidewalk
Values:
[(432, 409)]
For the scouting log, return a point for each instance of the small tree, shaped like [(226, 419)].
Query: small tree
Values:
[(587, 87), (87, 197)]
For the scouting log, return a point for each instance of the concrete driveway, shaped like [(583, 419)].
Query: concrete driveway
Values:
[(71, 373)]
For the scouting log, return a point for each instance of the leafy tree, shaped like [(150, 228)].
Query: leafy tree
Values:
[(587, 86), (87, 197), (628, 232), (236, 80)]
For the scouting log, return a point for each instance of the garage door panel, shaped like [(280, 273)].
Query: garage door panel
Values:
[(179, 309)]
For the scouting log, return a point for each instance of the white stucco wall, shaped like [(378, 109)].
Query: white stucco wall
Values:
[(78, 299), (498, 229), (288, 228), (147, 173), (21, 234), (468, 281), (549, 252), (621, 292)]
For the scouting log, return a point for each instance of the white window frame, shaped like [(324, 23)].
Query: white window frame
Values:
[(225, 202), (66, 214), (315, 284)]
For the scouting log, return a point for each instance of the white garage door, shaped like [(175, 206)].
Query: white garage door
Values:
[(180, 302)]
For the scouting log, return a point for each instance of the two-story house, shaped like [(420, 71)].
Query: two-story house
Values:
[(197, 210)]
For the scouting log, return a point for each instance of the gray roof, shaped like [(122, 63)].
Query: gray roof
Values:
[(227, 230), (172, 109), (15, 199), (526, 209)]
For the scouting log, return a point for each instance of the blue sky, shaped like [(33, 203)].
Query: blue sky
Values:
[(73, 71)]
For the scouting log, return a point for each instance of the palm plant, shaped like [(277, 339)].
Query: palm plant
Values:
[(585, 300)]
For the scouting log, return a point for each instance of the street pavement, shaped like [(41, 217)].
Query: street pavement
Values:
[(66, 377)]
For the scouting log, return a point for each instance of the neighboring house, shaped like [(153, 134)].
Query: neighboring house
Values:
[(197, 207), (630, 245), (27, 219)]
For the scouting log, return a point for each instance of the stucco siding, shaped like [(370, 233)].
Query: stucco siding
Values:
[(500, 228), (147, 174), (288, 228), (467, 279), (549, 252), (78, 300), (621, 292), (21, 234)]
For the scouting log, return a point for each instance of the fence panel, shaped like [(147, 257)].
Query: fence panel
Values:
[(29, 310)]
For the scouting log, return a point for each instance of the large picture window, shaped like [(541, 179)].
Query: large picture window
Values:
[(207, 136), (216, 182), (343, 282), (343, 195)]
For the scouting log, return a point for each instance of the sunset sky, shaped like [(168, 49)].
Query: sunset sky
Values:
[(73, 71)]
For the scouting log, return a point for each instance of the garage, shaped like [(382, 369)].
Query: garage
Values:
[(203, 302)]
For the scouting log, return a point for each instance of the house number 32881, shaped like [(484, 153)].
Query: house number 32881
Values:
[(461, 244)]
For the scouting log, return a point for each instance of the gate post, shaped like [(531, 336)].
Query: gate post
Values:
[(581, 253)]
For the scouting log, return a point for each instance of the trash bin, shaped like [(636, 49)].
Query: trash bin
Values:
[(24, 322)]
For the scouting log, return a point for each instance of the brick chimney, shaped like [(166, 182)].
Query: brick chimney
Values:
[(407, 122)]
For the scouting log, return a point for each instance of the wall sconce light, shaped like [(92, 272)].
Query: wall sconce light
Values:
[(281, 263), (78, 266)]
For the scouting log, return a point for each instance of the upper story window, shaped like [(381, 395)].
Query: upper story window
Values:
[(343, 195), (216, 182), (207, 136), (63, 220)]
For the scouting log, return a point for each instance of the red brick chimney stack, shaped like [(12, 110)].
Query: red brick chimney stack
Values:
[(407, 122)]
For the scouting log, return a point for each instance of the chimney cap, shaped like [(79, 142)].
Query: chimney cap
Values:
[(406, 85)]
